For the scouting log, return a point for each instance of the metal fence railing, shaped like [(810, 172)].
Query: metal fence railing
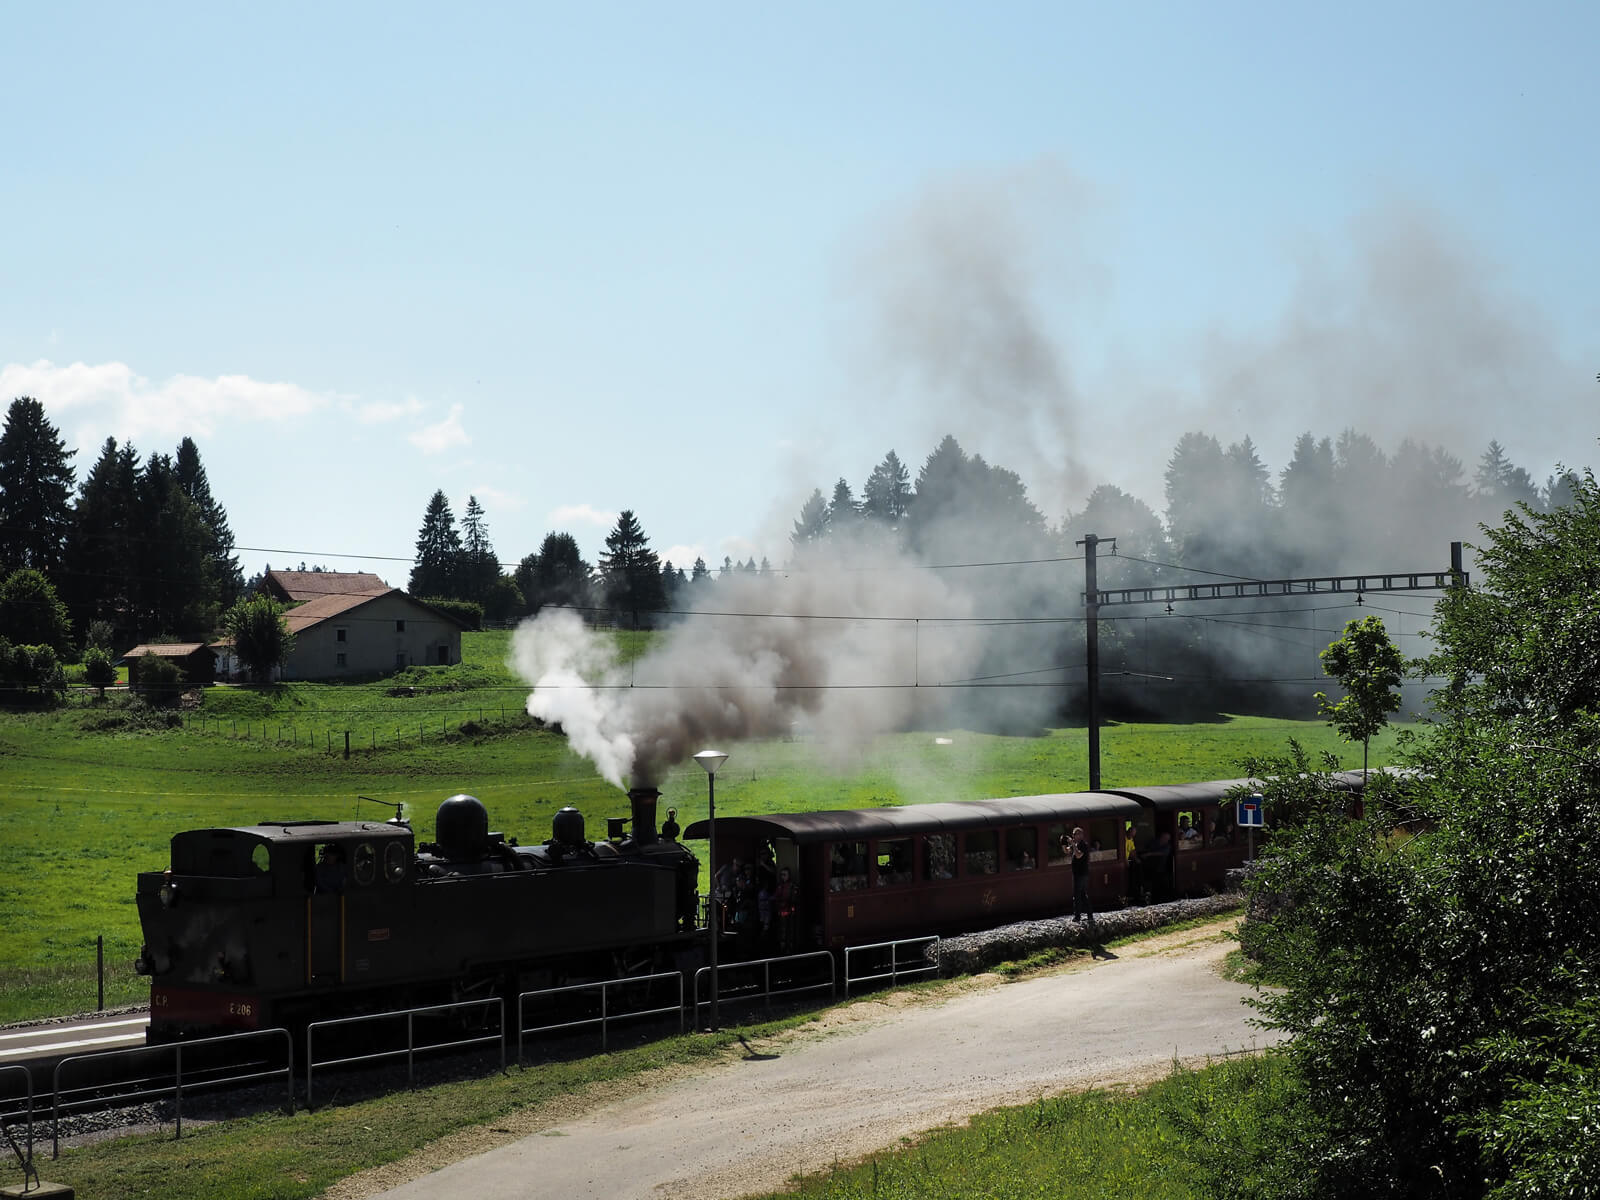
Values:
[(606, 1016), (25, 1156), (116, 1089), (884, 961), (745, 988), (410, 1049)]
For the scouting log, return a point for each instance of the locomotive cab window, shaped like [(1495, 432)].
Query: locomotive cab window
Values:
[(261, 858), (394, 862), (894, 862), (365, 862), (939, 856)]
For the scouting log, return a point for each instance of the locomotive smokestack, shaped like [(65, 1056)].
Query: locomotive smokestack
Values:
[(644, 801)]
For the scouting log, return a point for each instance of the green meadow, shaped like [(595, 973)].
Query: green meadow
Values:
[(91, 792)]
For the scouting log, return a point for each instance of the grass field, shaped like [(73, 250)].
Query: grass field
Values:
[(93, 792)]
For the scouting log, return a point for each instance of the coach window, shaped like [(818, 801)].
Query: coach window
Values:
[(848, 867), (894, 862), (1222, 827), (1022, 848), (1190, 833), (1104, 842), (939, 856), (982, 857), (1055, 847)]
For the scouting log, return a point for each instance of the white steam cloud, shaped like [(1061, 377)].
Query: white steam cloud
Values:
[(825, 648)]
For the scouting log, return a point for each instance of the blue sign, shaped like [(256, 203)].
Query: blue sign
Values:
[(1253, 811)]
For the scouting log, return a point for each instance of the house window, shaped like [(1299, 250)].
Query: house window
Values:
[(338, 660), (400, 659), (399, 626), (338, 635)]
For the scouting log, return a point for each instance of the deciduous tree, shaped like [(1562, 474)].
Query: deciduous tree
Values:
[(260, 635), (1369, 667)]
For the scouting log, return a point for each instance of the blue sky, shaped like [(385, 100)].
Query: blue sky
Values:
[(696, 259)]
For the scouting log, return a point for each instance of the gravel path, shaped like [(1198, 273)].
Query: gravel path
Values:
[(891, 1068)]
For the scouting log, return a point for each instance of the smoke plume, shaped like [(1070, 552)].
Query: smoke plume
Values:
[(827, 648)]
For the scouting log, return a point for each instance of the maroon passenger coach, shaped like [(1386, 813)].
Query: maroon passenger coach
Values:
[(865, 875)]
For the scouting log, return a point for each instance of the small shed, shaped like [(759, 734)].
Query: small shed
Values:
[(197, 660)]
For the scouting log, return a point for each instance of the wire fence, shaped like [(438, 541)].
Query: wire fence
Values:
[(360, 737)]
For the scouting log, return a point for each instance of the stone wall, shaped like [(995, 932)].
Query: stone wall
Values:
[(978, 951)]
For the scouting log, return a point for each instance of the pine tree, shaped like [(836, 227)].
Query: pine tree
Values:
[(630, 572), (437, 568), (176, 594), (103, 553), (191, 474), (559, 576), (887, 494), (843, 511), (480, 570), (812, 524), (36, 480)]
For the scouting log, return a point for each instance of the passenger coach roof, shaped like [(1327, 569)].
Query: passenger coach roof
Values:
[(1185, 795), (853, 824)]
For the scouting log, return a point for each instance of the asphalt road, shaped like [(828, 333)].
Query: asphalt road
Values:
[(747, 1125)]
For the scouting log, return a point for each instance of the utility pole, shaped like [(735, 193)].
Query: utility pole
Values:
[(1091, 611)]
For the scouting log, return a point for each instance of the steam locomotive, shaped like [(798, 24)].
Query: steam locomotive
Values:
[(283, 923), (279, 924)]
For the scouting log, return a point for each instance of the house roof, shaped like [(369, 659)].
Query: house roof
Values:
[(308, 585), (165, 650), (323, 608)]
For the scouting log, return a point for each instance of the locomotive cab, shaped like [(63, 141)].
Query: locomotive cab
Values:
[(245, 914)]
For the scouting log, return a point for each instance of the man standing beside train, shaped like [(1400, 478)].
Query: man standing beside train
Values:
[(1079, 850)]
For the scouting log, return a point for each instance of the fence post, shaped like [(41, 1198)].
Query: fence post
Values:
[(100, 968), (347, 743)]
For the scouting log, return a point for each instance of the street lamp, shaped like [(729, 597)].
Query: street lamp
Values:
[(711, 760)]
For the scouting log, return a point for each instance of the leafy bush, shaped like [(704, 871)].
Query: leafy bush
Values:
[(160, 679), (469, 613)]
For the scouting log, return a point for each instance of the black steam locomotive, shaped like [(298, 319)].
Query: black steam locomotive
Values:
[(279, 924)]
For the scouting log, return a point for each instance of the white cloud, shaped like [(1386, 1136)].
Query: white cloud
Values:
[(582, 514), (112, 399), (683, 556), (493, 498), (379, 411), (447, 434)]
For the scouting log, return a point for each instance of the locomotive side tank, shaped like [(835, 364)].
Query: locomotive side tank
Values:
[(275, 924)]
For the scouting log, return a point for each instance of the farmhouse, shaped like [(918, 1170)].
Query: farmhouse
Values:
[(368, 633)]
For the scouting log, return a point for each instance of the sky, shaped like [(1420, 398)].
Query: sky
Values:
[(696, 260)]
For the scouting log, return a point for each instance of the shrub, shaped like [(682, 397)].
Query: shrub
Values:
[(160, 679)]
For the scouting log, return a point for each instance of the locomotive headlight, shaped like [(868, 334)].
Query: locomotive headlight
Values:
[(169, 891)]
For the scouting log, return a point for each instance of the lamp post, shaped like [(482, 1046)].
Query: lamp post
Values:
[(711, 760)]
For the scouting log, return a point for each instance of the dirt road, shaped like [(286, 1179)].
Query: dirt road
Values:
[(895, 1067)]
